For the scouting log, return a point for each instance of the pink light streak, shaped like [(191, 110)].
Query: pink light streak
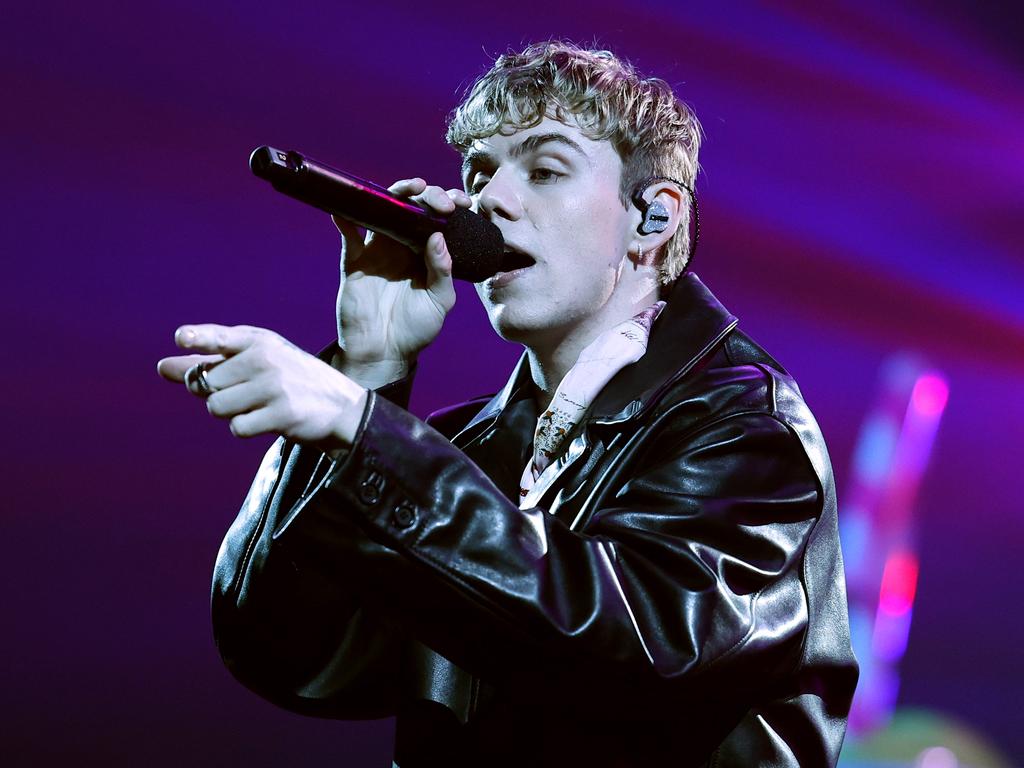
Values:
[(899, 584), (931, 392)]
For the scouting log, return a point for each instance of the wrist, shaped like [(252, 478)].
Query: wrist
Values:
[(372, 374), (354, 399)]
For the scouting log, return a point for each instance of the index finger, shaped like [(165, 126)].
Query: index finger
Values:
[(211, 338), (408, 187), (460, 197)]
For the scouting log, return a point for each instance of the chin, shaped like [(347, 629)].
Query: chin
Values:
[(510, 330), (513, 323), (526, 326)]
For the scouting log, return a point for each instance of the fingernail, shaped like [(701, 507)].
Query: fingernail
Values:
[(186, 335)]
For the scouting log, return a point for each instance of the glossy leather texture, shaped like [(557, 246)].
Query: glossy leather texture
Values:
[(675, 597)]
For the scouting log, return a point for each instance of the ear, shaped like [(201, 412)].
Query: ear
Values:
[(658, 212)]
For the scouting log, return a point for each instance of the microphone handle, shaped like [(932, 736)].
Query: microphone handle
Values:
[(357, 200)]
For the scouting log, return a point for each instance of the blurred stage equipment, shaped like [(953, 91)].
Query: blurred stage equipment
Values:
[(876, 526)]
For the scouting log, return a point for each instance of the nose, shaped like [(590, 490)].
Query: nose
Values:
[(498, 199)]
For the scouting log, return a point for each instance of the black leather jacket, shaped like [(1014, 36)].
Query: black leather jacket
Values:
[(676, 597)]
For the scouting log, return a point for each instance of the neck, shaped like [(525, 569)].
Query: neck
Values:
[(553, 357)]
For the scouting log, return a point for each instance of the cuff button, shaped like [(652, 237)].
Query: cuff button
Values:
[(404, 516), (369, 493)]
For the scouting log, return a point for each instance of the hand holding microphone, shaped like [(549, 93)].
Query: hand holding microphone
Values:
[(392, 302)]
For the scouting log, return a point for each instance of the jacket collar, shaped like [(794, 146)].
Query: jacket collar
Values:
[(692, 323), (518, 385)]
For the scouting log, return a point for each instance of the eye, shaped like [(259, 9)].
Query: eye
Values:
[(479, 182), (544, 175)]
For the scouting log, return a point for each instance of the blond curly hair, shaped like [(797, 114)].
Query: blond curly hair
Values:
[(655, 133)]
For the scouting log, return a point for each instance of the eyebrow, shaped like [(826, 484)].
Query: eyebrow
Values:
[(529, 144)]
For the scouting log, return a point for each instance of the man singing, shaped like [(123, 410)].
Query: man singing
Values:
[(626, 557)]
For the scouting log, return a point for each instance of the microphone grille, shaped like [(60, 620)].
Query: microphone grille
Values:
[(476, 245)]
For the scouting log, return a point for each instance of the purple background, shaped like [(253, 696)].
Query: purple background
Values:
[(863, 195)]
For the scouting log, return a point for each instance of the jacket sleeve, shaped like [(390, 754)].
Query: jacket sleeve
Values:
[(299, 636), (685, 588)]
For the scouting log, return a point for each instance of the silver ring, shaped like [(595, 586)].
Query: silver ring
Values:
[(196, 381)]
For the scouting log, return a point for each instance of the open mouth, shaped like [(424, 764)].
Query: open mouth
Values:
[(514, 259)]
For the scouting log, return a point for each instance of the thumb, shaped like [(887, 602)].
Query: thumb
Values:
[(439, 270), (351, 236)]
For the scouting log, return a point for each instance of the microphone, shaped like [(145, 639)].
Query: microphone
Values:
[(475, 244)]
